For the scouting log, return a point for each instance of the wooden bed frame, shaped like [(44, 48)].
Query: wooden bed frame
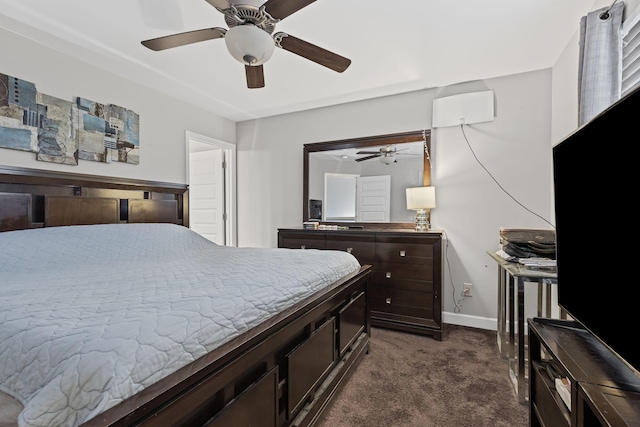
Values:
[(284, 372)]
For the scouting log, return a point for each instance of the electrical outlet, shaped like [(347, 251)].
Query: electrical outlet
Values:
[(467, 290)]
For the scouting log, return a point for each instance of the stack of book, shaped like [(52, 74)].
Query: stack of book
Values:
[(539, 263)]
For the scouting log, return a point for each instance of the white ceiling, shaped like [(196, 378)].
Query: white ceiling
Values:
[(394, 46)]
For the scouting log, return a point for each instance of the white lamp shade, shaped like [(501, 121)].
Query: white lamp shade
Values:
[(249, 44), (421, 198)]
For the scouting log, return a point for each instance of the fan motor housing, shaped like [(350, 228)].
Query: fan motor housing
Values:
[(242, 14)]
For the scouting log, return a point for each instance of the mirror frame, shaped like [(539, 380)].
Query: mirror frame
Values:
[(367, 141)]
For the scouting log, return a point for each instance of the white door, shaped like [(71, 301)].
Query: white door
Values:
[(206, 194), (374, 198)]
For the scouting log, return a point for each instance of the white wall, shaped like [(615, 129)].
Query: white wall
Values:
[(472, 206), (163, 120), (515, 147)]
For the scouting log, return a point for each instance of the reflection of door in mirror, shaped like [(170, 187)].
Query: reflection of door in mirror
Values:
[(373, 198)]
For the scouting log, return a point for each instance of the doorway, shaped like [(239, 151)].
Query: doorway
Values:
[(212, 192)]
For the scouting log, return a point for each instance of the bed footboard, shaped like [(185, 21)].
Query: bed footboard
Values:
[(283, 373)]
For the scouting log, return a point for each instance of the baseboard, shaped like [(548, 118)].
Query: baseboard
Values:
[(471, 321)]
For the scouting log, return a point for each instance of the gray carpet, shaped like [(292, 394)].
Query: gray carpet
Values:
[(415, 381)]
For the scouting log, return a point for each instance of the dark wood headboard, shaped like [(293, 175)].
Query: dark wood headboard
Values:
[(32, 198), (15, 211)]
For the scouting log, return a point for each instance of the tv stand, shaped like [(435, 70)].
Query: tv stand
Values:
[(604, 391)]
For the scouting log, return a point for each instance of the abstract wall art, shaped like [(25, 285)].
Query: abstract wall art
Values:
[(18, 114), (107, 133), (57, 142), (65, 132)]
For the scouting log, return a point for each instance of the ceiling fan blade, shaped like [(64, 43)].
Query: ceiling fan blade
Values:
[(280, 9), (368, 157), (312, 52), (368, 152), (219, 4), (182, 39), (255, 76)]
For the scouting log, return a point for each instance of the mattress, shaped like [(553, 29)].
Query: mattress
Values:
[(91, 315)]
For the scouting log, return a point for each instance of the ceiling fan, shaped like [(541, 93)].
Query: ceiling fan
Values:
[(386, 154), (249, 38)]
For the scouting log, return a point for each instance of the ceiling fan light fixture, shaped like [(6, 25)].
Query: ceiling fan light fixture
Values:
[(249, 44), (387, 159)]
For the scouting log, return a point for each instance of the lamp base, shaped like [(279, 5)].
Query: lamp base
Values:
[(422, 220)]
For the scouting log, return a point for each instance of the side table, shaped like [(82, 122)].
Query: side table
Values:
[(512, 277)]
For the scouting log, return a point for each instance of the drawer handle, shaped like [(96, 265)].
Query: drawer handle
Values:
[(349, 250), (303, 247), (388, 300), (403, 253), (388, 275)]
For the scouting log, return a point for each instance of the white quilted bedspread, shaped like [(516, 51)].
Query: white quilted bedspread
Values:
[(90, 315)]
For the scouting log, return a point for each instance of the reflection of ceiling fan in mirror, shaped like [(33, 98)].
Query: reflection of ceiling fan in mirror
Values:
[(249, 38), (386, 154)]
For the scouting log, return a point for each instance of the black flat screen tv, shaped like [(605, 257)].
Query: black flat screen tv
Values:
[(595, 177)]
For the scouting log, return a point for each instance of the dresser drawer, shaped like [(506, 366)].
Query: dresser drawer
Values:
[(402, 302), (379, 278), (392, 271), (405, 253), (307, 240), (402, 297), (363, 250)]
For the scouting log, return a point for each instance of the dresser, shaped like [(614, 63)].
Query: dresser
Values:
[(405, 291)]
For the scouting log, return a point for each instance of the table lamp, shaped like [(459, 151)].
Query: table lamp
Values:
[(420, 199)]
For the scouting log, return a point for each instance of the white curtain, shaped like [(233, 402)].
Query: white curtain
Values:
[(631, 51), (600, 70)]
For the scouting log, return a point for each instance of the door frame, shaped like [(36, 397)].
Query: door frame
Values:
[(230, 185)]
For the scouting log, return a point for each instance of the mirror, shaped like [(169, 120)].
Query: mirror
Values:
[(339, 175)]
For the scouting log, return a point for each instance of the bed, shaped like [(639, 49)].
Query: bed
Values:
[(114, 313)]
